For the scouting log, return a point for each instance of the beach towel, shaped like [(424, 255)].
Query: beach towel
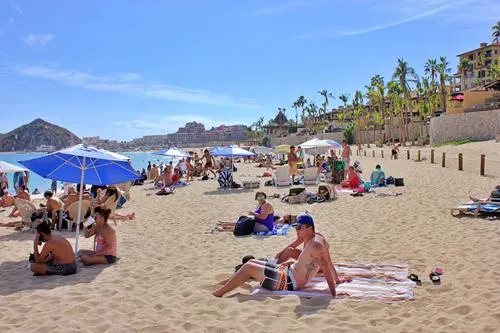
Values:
[(488, 208), (344, 189), (279, 230), (383, 282)]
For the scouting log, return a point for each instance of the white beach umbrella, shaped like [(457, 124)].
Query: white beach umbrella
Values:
[(8, 167)]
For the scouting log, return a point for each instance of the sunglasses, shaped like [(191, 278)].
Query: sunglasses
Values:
[(300, 227)]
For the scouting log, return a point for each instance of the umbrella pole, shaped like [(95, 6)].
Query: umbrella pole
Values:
[(80, 199)]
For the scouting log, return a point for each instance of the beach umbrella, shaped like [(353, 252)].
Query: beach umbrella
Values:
[(262, 150), (230, 151), (319, 144), (8, 167), (282, 149), (84, 165), (172, 152)]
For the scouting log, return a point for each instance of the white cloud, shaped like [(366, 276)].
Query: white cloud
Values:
[(16, 7), (170, 124), (133, 84), (38, 39)]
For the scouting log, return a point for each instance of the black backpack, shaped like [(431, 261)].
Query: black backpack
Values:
[(244, 226), (389, 181)]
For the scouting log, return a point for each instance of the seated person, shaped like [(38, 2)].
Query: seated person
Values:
[(104, 240), (113, 192), (378, 176), (56, 258), (352, 180), (264, 214), (291, 274), (75, 196), (494, 196), (22, 193), (6, 200), (229, 226), (53, 205)]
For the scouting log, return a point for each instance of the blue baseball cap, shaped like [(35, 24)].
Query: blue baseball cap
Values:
[(304, 219)]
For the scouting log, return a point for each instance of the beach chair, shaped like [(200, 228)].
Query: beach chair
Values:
[(72, 214), (125, 187), (282, 176), (26, 209), (311, 176), (225, 178), (476, 208)]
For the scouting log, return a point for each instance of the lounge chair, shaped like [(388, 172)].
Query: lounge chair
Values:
[(72, 215), (311, 176), (26, 209), (125, 187), (476, 208), (282, 177)]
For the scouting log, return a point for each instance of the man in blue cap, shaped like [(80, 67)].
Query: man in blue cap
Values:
[(291, 274)]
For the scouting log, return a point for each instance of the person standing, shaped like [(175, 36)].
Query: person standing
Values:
[(292, 162), (346, 156)]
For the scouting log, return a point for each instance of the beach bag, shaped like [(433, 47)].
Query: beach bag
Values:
[(389, 181), (399, 182), (495, 195), (338, 165), (269, 182), (367, 186), (296, 191), (266, 174), (244, 226), (204, 177), (337, 176), (121, 201)]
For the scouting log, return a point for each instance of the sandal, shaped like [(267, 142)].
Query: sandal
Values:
[(415, 278), (435, 278)]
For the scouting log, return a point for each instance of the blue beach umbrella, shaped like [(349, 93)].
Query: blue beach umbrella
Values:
[(230, 151), (84, 165)]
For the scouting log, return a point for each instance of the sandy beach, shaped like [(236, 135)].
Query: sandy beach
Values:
[(170, 260)]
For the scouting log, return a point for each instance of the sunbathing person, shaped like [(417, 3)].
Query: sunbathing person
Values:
[(113, 192), (352, 180), (104, 240), (75, 196), (377, 177), (56, 258), (229, 226), (291, 274), (22, 193), (494, 196), (53, 205), (6, 200)]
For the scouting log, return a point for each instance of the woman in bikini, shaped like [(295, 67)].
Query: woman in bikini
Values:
[(104, 240)]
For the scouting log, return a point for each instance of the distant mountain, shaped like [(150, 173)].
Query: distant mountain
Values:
[(37, 133)]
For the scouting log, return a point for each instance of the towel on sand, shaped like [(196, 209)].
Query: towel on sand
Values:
[(484, 208), (279, 230), (370, 281)]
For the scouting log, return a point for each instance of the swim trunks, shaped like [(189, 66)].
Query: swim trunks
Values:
[(293, 169), (276, 278), (61, 269), (110, 259)]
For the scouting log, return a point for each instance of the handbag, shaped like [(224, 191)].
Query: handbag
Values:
[(399, 182)]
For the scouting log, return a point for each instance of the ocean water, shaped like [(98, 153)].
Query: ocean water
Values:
[(139, 161)]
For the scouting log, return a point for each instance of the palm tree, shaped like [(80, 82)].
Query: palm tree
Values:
[(465, 66), (443, 71), (326, 102), (301, 103), (496, 32), (494, 72), (394, 92), (376, 79), (405, 74), (358, 109), (430, 68)]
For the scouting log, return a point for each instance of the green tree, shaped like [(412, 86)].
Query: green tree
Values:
[(443, 71), (430, 68), (495, 32)]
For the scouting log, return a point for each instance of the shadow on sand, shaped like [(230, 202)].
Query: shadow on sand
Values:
[(16, 277)]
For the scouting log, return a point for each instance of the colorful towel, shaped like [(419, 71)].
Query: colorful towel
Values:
[(279, 230), (370, 281)]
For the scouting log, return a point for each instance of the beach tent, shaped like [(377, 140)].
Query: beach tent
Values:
[(84, 165), (319, 145), (8, 167)]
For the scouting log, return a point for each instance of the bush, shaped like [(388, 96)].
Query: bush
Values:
[(348, 134), (265, 141)]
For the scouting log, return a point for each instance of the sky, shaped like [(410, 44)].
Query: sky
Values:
[(124, 69)]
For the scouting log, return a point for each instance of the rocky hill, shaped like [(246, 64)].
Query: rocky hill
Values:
[(38, 132)]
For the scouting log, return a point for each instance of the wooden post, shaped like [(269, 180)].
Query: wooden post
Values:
[(443, 160), (382, 152), (373, 153), (365, 152), (432, 156), (460, 162), (418, 155), (408, 154), (481, 167)]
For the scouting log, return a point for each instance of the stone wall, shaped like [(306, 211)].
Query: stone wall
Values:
[(478, 125)]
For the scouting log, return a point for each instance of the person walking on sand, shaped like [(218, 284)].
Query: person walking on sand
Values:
[(291, 274), (346, 156)]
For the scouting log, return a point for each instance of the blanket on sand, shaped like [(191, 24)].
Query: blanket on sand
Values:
[(384, 282)]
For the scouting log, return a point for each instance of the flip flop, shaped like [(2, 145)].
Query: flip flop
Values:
[(415, 278), (435, 278)]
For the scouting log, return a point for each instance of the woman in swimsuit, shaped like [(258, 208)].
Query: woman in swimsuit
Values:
[(104, 240), (264, 214)]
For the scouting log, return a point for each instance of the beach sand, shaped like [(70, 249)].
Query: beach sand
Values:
[(170, 262)]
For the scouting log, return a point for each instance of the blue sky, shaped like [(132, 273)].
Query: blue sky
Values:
[(123, 69)]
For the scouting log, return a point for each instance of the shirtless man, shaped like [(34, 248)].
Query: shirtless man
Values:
[(292, 162), (53, 205), (56, 258), (346, 156), (291, 274), (209, 162)]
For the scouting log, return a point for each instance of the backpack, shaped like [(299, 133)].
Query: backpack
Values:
[(389, 181), (244, 226)]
